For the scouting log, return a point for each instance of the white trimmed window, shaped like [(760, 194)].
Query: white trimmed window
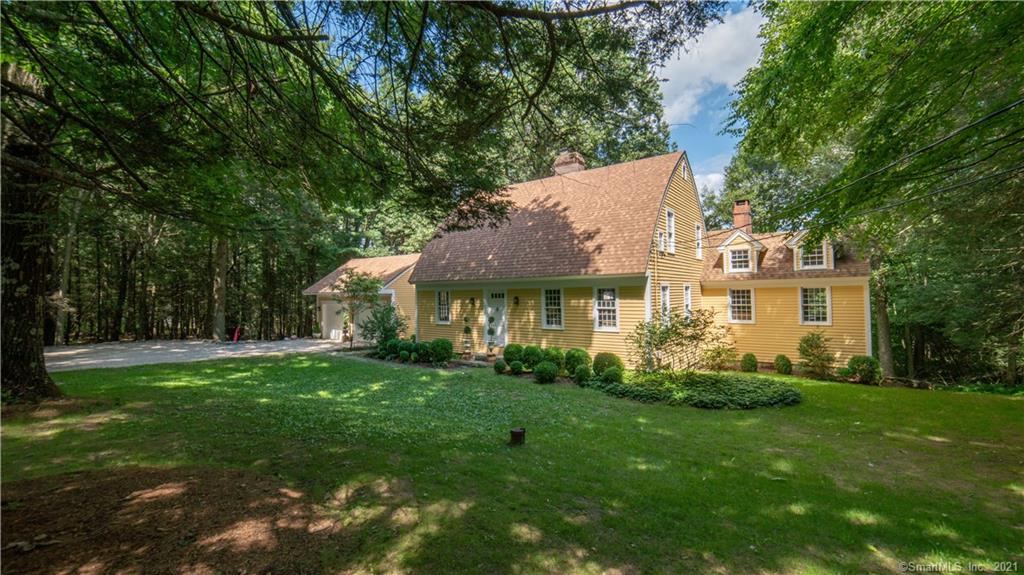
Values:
[(552, 311), (661, 241), (606, 309), (670, 230), (698, 239), (814, 306), (741, 306), (666, 303), (812, 257), (687, 299), (443, 307), (739, 260)]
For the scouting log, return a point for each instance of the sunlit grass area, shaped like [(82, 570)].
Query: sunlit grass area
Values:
[(854, 479)]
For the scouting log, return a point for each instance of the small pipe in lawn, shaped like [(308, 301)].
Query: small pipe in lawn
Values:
[(518, 436)]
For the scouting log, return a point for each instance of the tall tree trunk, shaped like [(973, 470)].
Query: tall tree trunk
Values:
[(908, 345), (884, 334), (220, 287), (65, 270), (28, 206), (124, 269)]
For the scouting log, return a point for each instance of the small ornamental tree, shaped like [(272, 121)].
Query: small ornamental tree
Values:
[(815, 355), (385, 323), (675, 340), (357, 292)]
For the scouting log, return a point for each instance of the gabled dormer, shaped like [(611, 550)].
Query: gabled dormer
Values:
[(811, 256), (740, 253)]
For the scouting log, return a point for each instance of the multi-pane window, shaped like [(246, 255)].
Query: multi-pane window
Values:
[(814, 305), (666, 303), (670, 229), (741, 305), (443, 307), (698, 239), (661, 241), (687, 299), (812, 256), (552, 308), (739, 260), (606, 309)]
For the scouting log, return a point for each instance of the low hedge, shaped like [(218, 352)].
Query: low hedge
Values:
[(532, 355), (703, 390), (576, 357), (512, 352), (545, 372)]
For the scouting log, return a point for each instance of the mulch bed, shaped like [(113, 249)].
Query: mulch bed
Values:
[(144, 520)]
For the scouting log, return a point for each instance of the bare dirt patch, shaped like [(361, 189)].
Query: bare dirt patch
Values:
[(52, 408), (139, 520)]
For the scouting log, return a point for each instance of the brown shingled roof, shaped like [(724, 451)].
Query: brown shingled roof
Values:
[(775, 262), (386, 268), (591, 222)]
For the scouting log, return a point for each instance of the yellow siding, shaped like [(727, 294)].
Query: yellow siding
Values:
[(681, 267), (465, 303), (405, 299), (524, 319), (778, 329)]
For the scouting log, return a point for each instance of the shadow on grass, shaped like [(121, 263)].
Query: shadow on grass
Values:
[(313, 464)]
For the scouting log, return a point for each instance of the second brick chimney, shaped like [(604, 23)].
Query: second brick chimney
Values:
[(567, 162), (741, 218)]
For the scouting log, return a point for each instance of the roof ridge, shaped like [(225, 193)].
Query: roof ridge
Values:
[(616, 165)]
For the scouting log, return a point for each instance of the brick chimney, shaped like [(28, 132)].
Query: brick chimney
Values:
[(568, 162), (741, 219)]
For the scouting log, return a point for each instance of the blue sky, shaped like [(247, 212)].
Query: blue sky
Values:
[(698, 87)]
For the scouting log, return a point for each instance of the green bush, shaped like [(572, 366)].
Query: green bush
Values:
[(403, 356), (816, 358), (576, 357), (423, 350), (556, 356), (500, 366), (392, 348), (545, 372), (513, 352), (783, 365), (383, 324), (865, 368), (407, 346), (441, 351), (582, 374), (628, 391), (605, 360), (718, 358), (414, 357), (516, 367), (532, 355), (733, 391), (748, 363), (612, 375)]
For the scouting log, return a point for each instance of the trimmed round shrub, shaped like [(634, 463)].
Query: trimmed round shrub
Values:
[(414, 357), (513, 352), (748, 363), (403, 356), (576, 357), (407, 346), (556, 356), (516, 367), (441, 350), (500, 366), (865, 368), (582, 374), (392, 348), (605, 360), (612, 375), (423, 350), (732, 391), (783, 365), (545, 372), (532, 355)]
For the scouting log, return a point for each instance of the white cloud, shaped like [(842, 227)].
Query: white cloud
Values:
[(719, 57), (714, 182)]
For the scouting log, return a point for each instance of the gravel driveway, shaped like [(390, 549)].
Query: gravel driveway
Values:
[(122, 354)]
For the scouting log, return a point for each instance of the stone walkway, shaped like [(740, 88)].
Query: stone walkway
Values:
[(123, 354)]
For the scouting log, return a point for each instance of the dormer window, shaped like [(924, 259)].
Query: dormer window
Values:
[(812, 257), (739, 260)]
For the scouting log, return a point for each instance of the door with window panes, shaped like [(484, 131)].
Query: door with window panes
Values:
[(496, 309)]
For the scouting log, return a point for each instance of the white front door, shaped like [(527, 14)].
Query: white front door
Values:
[(497, 318)]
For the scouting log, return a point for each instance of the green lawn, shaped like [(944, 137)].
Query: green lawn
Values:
[(855, 479)]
